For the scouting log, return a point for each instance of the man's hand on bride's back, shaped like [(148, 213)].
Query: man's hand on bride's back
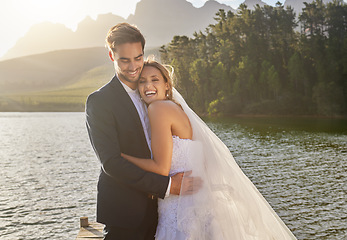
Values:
[(185, 184)]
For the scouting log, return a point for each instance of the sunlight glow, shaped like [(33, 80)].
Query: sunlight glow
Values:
[(18, 16)]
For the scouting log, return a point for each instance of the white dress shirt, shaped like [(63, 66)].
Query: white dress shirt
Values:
[(143, 114)]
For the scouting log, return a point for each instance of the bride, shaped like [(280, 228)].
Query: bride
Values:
[(227, 205)]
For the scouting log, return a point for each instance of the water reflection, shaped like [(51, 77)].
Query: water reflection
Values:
[(265, 125), (49, 172), (48, 175), (299, 166)]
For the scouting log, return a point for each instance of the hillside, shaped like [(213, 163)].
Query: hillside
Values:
[(49, 70), (67, 98), (54, 81)]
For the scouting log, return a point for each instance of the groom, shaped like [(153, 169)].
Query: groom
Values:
[(116, 123)]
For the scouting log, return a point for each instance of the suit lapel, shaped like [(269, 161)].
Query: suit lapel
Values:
[(124, 99)]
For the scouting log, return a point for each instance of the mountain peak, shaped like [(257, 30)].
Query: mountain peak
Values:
[(214, 3), (252, 3), (214, 6)]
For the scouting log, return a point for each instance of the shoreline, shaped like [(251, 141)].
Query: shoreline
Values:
[(313, 116), (288, 116)]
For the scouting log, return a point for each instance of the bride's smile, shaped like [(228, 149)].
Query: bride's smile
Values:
[(152, 85)]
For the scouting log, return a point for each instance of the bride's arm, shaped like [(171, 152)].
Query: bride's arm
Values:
[(161, 141), (149, 165)]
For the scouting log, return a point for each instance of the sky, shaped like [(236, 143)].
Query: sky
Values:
[(17, 16)]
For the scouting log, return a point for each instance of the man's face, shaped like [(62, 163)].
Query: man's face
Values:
[(129, 63)]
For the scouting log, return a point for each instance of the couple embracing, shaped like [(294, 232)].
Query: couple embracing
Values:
[(164, 173)]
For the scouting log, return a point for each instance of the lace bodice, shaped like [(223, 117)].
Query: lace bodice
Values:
[(183, 149), (180, 152)]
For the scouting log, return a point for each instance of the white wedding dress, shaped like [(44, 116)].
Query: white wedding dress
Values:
[(182, 153), (227, 207)]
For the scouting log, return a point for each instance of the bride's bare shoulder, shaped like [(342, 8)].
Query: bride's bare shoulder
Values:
[(163, 108)]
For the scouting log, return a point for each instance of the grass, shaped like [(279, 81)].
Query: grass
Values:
[(71, 97)]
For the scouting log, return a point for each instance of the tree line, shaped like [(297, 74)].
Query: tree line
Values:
[(266, 61)]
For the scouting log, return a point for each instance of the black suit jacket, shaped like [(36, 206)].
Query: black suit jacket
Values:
[(114, 126)]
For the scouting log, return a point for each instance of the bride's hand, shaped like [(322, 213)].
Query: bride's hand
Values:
[(184, 184)]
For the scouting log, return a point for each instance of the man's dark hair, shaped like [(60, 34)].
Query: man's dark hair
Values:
[(123, 33)]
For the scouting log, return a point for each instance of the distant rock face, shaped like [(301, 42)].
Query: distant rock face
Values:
[(158, 20), (252, 3), (41, 37), (172, 17), (92, 33)]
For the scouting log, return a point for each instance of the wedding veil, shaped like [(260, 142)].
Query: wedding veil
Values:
[(228, 206)]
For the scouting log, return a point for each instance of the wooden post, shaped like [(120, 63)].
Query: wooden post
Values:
[(84, 222), (90, 230)]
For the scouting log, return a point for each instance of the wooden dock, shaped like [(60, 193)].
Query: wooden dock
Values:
[(90, 230)]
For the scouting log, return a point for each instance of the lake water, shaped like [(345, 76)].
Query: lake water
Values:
[(48, 172)]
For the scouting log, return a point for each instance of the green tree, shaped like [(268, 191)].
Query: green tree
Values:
[(255, 61), (200, 77)]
